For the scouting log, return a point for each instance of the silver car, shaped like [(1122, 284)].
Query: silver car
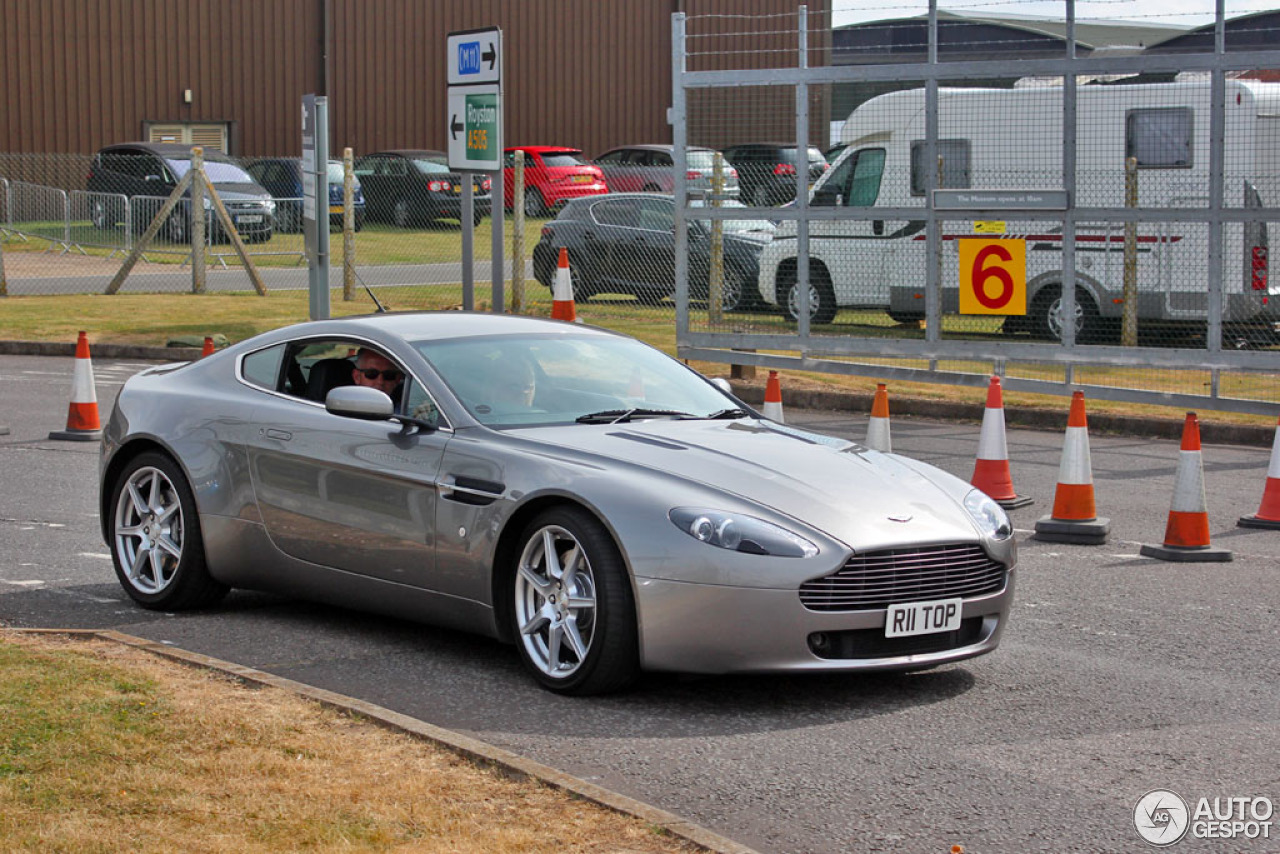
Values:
[(651, 169), (569, 490)]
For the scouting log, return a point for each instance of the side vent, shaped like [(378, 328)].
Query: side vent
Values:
[(470, 490)]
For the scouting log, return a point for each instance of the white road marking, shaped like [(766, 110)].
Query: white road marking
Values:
[(93, 554)]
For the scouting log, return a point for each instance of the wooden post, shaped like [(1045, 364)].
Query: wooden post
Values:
[(197, 224), (1129, 323), (4, 285), (348, 226), (234, 236), (715, 275), (517, 236), (150, 234)]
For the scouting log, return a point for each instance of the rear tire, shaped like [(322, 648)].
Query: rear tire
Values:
[(534, 204), (402, 214), (822, 298), (154, 532), (1048, 321)]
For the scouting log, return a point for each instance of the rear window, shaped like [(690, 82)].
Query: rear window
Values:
[(700, 159), (562, 159), (431, 165)]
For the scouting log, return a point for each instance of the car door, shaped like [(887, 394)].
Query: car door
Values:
[(854, 251), (371, 172), (615, 242), (353, 495)]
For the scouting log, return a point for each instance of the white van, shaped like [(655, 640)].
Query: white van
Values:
[(1012, 139)]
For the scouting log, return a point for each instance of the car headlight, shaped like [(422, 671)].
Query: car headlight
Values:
[(270, 205), (740, 533), (989, 516)]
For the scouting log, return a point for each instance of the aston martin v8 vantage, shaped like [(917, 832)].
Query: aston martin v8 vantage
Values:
[(572, 491)]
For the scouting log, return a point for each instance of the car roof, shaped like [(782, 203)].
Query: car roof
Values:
[(546, 149), (441, 325), (166, 149), (409, 152)]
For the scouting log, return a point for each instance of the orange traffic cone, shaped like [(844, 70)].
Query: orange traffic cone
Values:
[(82, 416), (991, 472), (208, 347), (1186, 537), (878, 438), (1268, 515), (773, 398), (562, 307), (1075, 517)]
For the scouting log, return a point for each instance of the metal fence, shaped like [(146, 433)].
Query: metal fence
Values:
[(1098, 221)]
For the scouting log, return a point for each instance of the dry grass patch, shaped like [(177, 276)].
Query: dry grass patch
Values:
[(105, 748)]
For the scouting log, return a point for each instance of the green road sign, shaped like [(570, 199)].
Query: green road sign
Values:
[(475, 128)]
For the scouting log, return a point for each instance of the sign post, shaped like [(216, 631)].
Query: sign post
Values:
[(315, 201), (474, 133)]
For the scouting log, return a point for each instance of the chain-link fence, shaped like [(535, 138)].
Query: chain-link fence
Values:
[(992, 206)]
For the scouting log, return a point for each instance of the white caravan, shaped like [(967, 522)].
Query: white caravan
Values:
[(1003, 139)]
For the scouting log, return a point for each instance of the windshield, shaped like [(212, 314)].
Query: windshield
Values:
[(703, 160), (334, 171), (432, 165), (562, 159), (219, 172), (513, 381)]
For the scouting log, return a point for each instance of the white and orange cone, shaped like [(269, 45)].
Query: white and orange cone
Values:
[(1268, 515), (1075, 515), (208, 347), (1186, 537), (562, 306), (991, 472), (773, 398), (82, 416), (878, 438)]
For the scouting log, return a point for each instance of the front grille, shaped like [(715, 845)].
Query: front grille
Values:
[(879, 579)]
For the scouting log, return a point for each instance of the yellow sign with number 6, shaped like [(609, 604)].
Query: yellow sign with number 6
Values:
[(993, 276)]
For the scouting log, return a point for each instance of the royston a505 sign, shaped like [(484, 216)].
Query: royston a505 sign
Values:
[(474, 72)]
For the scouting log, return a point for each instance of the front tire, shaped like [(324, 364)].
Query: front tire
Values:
[(822, 298), (534, 204), (155, 538), (1049, 322), (573, 615)]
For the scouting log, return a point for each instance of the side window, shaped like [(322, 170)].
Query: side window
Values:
[(661, 158), (1159, 137), (613, 157), (955, 175), (657, 216), (620, 212), (366, 166), (262, 369), (856, 180), (419, 404), (396, 168)]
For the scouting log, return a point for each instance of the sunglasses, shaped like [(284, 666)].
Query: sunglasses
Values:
[(373, 373)]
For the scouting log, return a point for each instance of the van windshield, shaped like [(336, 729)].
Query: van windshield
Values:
[(219, 172)]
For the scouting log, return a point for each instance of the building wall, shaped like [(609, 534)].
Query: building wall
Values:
[(78, 74)]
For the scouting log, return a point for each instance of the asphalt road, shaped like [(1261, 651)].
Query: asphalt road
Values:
[(1118, 674)]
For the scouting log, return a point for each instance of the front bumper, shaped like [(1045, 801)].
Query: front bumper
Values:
[(702, 628)]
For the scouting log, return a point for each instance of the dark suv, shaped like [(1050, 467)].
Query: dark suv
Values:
[(412, 187), (282, 177), (767, 171), (146, 173)]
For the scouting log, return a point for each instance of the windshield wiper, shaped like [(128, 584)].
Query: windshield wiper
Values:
[(727, 414), (619, 416)]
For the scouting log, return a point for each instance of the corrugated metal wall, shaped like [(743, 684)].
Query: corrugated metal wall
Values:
[(78, 74)]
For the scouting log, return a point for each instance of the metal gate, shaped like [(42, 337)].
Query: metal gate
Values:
[(1078, 220)]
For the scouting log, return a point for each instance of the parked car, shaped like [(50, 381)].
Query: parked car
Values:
[(411, 187), (562, 488), (767, 171), (146, 173), (282, 177), (553, 175), (651, 169), (625, 243)]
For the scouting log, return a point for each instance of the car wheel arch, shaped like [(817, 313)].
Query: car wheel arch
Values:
[(509, 546), (122, 457)]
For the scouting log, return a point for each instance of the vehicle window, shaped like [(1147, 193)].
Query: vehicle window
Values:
[(657, 216), (1159, 137), (395, 167), (335, 172), (621, 212), (954, 154), (509, 160), (314, 368), (367, 166), (660, 159), (857, 179), (612, 158), (512, 381), (562, 159), (700, 159), (431, 165), (262, 368)]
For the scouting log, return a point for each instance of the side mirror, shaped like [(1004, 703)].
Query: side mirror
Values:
[(722, 384), (825, 197), (357, 401)]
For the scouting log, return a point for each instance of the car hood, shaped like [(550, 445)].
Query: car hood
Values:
[(241, 192), (861, 497)]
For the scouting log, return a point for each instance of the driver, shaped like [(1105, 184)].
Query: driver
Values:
[(514, 389), (376, 371)]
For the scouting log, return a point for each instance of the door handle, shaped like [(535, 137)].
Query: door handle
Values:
[(877, 227), (282, 435)]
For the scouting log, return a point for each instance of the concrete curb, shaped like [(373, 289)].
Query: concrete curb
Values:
[(1037, 419), (938, 410), (471, 749)]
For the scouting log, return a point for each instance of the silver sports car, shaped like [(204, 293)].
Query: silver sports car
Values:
[(573, 491)]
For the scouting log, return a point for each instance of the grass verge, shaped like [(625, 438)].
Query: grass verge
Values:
[(107, 748)]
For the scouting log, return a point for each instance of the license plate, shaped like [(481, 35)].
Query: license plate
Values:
[(923, 618), (457, 188), (582, 179), (335, 208), (249, 218)]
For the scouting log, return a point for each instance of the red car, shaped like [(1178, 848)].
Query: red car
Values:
[(553, 175)]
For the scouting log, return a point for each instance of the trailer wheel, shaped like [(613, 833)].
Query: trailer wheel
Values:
[(1047, 315)]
